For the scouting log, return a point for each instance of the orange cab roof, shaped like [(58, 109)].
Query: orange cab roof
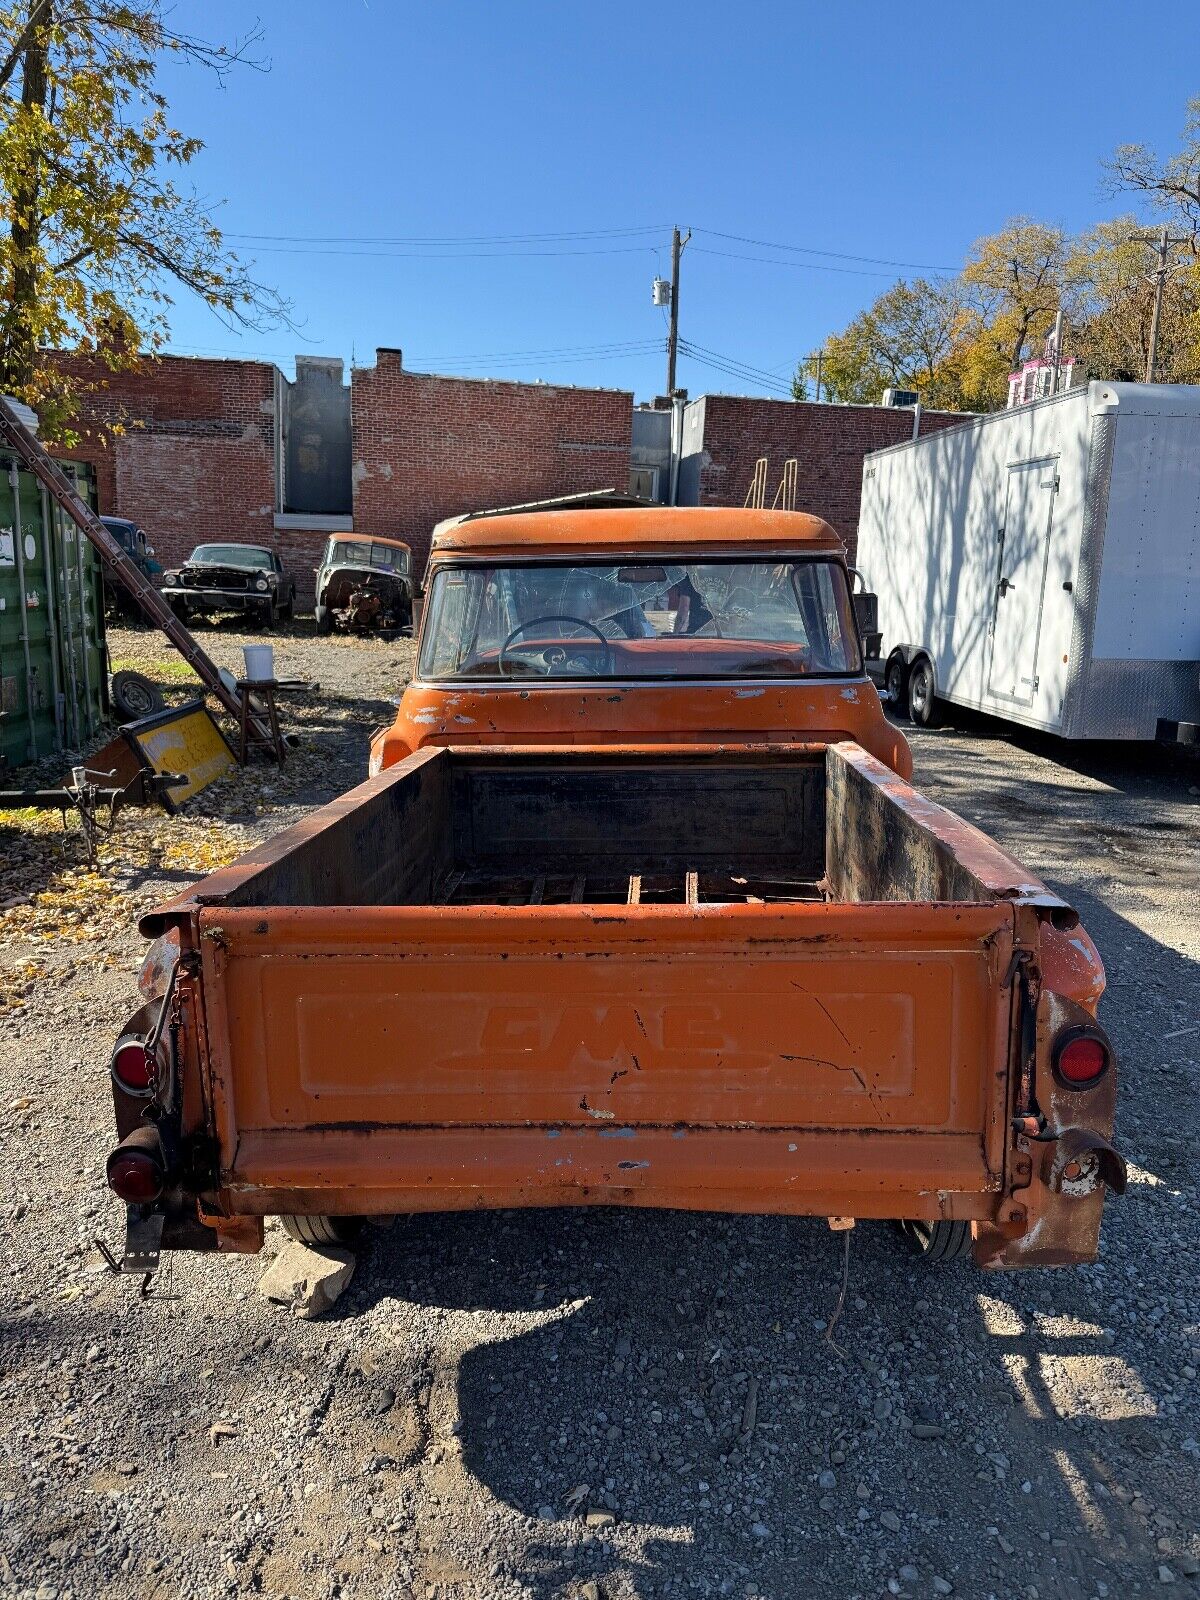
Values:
[(371, 538), (660, 527)]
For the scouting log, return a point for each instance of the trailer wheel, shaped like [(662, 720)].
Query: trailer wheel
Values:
[(937, 1242), (895, 683), (922, 702), (322, 1230)]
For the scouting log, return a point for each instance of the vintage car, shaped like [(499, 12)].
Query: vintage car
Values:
[(230, 577), (364, 583), (117, 599)]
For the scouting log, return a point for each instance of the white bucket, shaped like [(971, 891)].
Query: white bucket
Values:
[(260, 662)]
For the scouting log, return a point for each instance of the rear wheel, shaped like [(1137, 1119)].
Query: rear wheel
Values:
[(922, 703), (323, 1230), (936, 1242), (895, 683)]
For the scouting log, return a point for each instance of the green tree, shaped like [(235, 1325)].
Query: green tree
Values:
[(900, 342), (95, 235), (1111, 271)]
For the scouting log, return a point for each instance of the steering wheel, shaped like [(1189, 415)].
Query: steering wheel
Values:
[(558, 655)]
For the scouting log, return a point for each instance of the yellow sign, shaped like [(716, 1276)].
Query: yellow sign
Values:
[(187, 740)]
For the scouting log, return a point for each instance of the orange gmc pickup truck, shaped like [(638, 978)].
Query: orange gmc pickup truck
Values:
[(637, 907)]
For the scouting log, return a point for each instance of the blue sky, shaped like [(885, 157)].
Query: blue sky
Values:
[(899, 133)]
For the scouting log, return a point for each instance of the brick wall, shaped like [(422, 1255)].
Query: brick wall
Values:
[(725, 434), (428, 447), (195, 457)]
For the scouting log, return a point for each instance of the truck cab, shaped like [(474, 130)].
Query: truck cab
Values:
[(667, 625)]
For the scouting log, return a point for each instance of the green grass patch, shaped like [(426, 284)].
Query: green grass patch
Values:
[(170, 671)]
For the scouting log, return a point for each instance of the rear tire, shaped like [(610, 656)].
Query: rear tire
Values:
[(322, 1230), (895, 683), (922, 702), (938, 1242)]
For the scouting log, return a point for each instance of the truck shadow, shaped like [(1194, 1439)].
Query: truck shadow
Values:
[(1013, 1429), (679, 1369)]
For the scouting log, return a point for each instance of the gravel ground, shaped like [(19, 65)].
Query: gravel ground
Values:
[(596, 1404)]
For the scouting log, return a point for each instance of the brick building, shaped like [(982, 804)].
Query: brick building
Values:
[(724, 435), (427, 447), (198, 449), (193, 454)]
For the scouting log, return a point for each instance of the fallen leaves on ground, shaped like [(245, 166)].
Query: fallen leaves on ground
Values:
[(50, 893)]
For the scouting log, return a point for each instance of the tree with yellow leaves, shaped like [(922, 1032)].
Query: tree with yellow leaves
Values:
[(95, 236), (1014, 284)]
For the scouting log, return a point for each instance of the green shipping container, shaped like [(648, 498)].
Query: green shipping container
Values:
[(53, 657)]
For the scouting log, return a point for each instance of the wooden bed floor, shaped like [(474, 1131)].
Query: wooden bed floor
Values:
[(702, 888)]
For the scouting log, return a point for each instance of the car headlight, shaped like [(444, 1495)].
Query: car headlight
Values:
[(261, 584), (171, 577)]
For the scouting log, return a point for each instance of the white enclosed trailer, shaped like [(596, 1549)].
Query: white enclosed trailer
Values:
[(1043, 563)]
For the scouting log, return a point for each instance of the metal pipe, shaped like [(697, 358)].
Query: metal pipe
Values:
[(83, 633), (52, 617), (19, 548), (65, 571), (677, 405)]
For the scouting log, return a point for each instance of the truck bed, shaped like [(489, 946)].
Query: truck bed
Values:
[(769, 979)]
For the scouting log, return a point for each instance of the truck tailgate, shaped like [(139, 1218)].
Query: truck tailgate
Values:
[(440, 1057)]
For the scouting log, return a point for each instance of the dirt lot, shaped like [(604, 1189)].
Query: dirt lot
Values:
[(489, 1379)]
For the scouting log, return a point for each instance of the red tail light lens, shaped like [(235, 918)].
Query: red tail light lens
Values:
[(1081, 1059), (137, 1168), (133, 1066), (135, 1177)]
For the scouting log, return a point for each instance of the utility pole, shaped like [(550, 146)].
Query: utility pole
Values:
[(1162, 245), (677, 245)]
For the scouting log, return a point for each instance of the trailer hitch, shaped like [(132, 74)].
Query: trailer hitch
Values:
[(85, 796)]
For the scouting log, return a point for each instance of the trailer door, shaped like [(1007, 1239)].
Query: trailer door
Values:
[(1024, 546)]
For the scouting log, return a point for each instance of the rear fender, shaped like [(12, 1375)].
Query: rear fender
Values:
[(1070, 1164)]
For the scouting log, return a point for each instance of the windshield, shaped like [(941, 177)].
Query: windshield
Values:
[(231, 555), (364, 553), (770, 617)]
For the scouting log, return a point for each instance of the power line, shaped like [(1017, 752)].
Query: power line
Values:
[(813, 250), (752, 371), (732, 369), (450, 239), (800, 266), (547, 361), (548, 350), (444, 255)]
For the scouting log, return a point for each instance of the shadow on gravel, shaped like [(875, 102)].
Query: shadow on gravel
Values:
[(1125, 765), (638, 1384)]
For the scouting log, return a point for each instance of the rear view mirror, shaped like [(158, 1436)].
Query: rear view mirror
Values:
[(641, 575)]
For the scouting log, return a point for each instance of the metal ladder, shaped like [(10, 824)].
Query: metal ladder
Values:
[(17, 436)]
